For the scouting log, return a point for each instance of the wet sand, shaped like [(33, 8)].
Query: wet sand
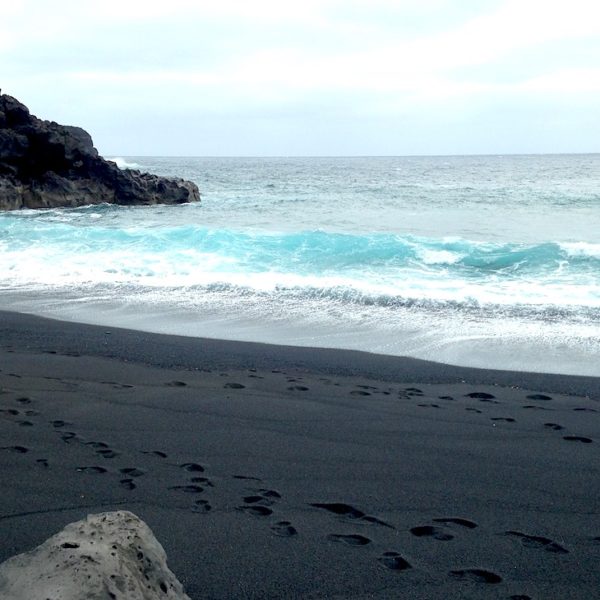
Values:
[(282, 472)]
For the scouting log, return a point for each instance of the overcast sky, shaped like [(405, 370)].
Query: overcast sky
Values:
[(312, 77)]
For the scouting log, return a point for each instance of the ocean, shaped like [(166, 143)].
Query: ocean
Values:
[(485, 261)]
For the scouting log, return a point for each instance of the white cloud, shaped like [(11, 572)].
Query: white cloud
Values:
[(376, 57)]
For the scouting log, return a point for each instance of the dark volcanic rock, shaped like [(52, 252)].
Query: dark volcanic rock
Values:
[(46, 165)]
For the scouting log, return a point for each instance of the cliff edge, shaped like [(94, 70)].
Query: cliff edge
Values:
[(47, 165)]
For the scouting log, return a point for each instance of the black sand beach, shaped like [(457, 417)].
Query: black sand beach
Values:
[(282, 472)]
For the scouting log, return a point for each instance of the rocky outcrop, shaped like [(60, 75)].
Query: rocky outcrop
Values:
[(46, 165), (108, 556)]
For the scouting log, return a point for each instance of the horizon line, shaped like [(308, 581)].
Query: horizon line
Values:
[(463, 155)]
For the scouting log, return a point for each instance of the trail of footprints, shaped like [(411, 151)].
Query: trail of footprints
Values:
[(484, 397), (101, 449), (409, 393), (261, 502), (491, 399)]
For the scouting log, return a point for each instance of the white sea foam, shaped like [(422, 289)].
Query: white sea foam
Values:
[(78, 266), (438, 257), (583, 249), (124, 164)]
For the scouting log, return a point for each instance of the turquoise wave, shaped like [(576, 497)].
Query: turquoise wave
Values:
[(306, 252)]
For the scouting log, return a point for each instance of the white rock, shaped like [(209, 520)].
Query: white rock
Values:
[(108, 556)]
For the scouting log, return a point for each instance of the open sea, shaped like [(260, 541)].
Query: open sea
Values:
[(487, 261)]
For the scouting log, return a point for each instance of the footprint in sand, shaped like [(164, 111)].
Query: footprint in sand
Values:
[(553, 426), (107, 453), (25, 423), (394, 562), (476, 575), (445, 398), (349, 512), (341, 509), (457, 521), (258, 500), (15, 449), (201, 506), (538, 397), (349, 539), (188, 489), (69, 436), (412, 391), (43, 462), (246, 477), (13, 412), (234, 386), (583, 409), (505, 419), (97, 444), (269, 493), (577, 438), (192, 467), (203, 480), (155, 453), (132, 471), (256, 511), (176, 384), (117, 386), (284, 529), (263, 498), (433, 532), (94, 470), (298, 388), (482, 396), (538, 542)]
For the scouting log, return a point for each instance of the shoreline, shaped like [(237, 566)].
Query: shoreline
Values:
[(182, 352), (279, 471)]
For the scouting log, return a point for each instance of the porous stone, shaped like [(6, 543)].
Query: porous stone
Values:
[(107, 556), (47, 165)]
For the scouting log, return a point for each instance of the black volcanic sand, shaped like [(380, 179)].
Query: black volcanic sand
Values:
[(280, 472)]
